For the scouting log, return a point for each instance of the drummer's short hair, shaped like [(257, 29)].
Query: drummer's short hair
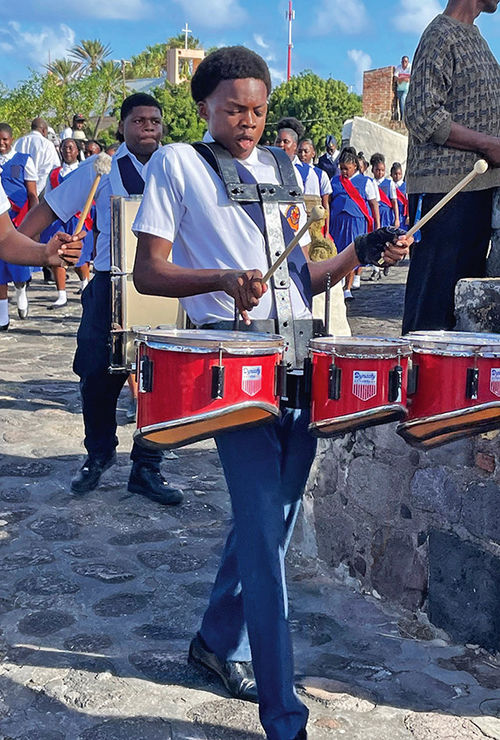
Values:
[(133, 101), (228, 63)]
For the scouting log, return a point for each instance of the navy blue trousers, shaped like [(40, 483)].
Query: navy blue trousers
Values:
[(266, 470), (100, 389), (453, 245)]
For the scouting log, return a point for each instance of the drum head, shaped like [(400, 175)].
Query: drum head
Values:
[(362, 347), (206, 340), (456, 343)]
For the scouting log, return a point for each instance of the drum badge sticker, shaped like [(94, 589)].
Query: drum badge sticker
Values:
[(364, 384), (251, 379), (292, 215), (495, 381)]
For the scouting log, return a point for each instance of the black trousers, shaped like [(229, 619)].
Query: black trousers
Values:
[(100, 389), (454, 246)]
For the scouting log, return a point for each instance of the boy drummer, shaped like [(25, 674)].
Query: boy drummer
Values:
[(219, 258)]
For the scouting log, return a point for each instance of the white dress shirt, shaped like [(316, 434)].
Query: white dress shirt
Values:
[(43, 154), (317, 181), (29, 169), (185, 202), (393, 194), (71, 196)]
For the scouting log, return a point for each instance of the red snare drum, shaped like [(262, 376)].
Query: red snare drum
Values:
[(194, 384), (357, 382), (454, 387)]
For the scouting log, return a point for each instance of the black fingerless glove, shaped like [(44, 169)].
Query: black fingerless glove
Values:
[(371, 247)]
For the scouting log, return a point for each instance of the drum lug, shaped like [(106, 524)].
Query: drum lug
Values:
[(395, 383), (472, 387), (308, 371), (280, 379), (334, 381), (412, 380), (218, 372), (146, 375)]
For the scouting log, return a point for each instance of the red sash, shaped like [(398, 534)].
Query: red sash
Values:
[(403, 200), (384, 198), (20, 212), (54, 177), (356, 196)]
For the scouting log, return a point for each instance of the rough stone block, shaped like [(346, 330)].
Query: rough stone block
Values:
[(477, 305), (486, 462), (398, 571), (435, 490), (481, 510), (464, 590)]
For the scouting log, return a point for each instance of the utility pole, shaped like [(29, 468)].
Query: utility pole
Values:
[(291, 17)]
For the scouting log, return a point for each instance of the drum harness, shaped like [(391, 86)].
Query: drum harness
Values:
[(294, 381)]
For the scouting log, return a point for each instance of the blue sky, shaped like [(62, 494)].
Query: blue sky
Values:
[(340, 38)]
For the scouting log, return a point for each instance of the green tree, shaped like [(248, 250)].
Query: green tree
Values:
[(110, 83), (179, 113), (90, 54), (322, 106), (64, 70), (152, 62)]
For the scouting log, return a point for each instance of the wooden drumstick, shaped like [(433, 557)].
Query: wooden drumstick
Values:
[(480, 167), (317, 214), (102, 166)]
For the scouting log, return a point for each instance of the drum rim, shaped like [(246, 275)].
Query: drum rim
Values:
[(455, 343), (205, 341), (376, 347)]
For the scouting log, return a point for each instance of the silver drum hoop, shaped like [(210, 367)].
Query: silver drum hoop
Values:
[(362, 348), (455, 343), (207, 341)]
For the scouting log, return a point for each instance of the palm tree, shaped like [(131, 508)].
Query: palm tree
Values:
[(111, 87), (64, 70), (90, 54)]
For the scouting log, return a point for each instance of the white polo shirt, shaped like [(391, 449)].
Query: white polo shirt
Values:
[(317, 181), (42, 152), (4, 201), (185, 202), (71, 195)]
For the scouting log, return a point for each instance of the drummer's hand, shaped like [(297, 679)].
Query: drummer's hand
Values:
[(246, 288), (64, 249), (397, 250)]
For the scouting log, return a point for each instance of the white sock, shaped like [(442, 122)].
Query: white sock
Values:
[(4, 311), (21, 298), (83, 283), (356, 283), (61, 298)]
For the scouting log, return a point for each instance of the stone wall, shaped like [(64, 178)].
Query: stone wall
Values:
[(421, 529)]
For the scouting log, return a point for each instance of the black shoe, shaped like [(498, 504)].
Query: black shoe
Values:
[(89, 475), (4, 327), (302, 735), (237, 677), (147, 480)]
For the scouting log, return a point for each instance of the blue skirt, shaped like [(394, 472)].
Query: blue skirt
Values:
[(386, 215), (13, 273), (344, 228)]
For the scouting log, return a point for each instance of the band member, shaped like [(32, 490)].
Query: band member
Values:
[(314, 179), (18, 249), (219, 256), (18, 176), (397, 176), (69, 154), (353, 206), (141, 129), (388, 204)]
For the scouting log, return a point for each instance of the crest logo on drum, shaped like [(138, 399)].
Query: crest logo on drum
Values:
[(251, 379), (495, 381), (293, 217), (364, 384)]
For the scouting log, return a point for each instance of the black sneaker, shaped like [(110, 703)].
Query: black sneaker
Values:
[(237, 677), (147, 480), (302, 735), (89, 475)]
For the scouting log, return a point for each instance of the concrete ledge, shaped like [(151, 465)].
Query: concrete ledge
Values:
[(477, 305)]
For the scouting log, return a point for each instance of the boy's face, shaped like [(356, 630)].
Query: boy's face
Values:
[(142, 130), (236, 114), (5, 142)]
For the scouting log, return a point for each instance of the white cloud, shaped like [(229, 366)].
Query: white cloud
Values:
[(345, 16), (362, 61), (412, 16), (36, 47), (259, 40), (214, 13), (277, 76)]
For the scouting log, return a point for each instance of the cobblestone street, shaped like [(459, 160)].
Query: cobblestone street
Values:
[(101, 594)]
